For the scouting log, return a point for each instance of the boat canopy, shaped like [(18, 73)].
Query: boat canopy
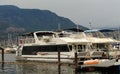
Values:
[(100, 40), (75, 40), (99, 30)]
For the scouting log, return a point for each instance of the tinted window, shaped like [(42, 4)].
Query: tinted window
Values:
[(32, 50)]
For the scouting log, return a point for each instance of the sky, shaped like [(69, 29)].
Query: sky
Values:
[(89, 13)]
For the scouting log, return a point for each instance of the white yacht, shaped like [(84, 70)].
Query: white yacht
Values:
[(44, 46)]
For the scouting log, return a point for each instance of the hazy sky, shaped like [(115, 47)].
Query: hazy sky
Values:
[(101, 13)]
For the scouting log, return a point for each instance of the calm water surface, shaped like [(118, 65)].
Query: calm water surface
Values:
[(34, 68)]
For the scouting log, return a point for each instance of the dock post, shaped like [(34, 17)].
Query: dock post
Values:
[(59, 64), (76, 62), (2, 57)]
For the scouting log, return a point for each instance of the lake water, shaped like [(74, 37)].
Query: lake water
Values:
[(42, 68)]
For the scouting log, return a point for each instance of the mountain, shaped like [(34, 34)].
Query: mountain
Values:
[(15, 19)]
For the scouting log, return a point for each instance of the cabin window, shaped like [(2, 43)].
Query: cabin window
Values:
[(101, 46), (32, 50), (81, 48)]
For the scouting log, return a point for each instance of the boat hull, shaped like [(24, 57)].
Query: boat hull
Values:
[(47, 58), (102, 63)]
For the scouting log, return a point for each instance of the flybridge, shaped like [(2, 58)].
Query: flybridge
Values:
[(41, 37)]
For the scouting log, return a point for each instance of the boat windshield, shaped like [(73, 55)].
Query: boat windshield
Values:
[(44, 34)]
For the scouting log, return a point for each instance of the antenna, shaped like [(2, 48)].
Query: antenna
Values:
[(118, 33), (90, 25), (77, 27), (59, 26)]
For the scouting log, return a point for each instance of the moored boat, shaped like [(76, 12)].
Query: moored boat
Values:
[(98, 63), (44, 46)]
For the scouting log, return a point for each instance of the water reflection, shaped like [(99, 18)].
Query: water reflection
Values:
[(8, 69), (47, 69), (43, 69)]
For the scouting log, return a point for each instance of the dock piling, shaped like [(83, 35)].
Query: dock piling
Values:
[(2, 57), (76, 62), (59, 64)]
